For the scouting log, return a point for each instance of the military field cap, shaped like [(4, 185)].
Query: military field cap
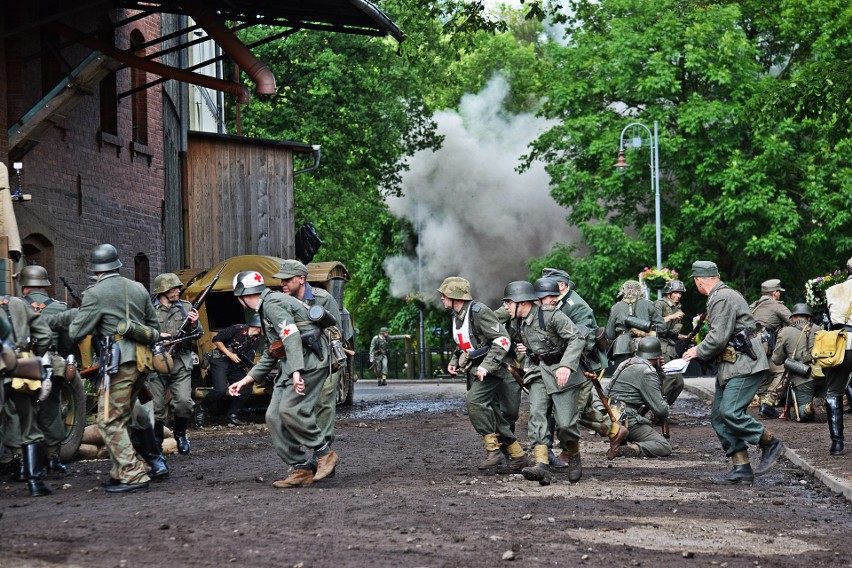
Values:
[(704, 269), (290, 268), (555, 274), (773, 285)]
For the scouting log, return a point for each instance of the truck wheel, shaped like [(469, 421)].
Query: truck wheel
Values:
[(345, 385), (72, 406)]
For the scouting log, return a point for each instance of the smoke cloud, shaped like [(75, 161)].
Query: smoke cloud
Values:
[(479, 218)]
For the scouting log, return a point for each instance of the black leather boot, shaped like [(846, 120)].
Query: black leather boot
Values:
[(32, 465), (200, 416), (739, 474), (180, 435), (848, 399), (158, 434), (768, 411), (834, 410), (769, 455), (55, 465), (145, 445), (18, 472)]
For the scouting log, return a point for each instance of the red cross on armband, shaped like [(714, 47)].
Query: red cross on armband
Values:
[(503, 342)]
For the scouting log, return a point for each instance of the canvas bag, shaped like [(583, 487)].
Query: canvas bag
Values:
[(830, 346)]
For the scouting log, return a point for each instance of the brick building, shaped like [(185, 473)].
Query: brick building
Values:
[(103, 140)]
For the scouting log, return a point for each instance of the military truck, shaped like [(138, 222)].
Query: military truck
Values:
[(221, 309)]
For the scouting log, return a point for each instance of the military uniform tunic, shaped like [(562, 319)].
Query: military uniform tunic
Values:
[(107, 302), (21, 408), (327, 404), (772, 315), (545, 329), (839, 298), (635, 383), (621, 334), (737, 381), (291, 417), (673, 382), (484, 397), (379, 355), (797, 342), (179, 381)]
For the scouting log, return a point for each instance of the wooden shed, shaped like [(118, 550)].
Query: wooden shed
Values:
[(239, 197)]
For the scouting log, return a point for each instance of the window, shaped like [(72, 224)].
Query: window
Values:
[(108, 87), (138, 78)]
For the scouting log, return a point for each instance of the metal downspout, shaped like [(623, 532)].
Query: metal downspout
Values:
[(263, 78)]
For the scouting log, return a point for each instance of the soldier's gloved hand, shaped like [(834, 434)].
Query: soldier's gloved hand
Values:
[(44, 392)]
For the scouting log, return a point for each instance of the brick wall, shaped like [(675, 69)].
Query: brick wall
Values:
[(85, 193)]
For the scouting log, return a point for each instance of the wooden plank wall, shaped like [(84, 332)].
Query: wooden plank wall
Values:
[(240, 199)]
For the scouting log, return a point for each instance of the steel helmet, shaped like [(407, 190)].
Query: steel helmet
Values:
[(801, 310), (34, 276), (255, 320), (649, 348), (165, 282), (519, 291), (545, 287), (673, 286), (631, 290), (456, 288), (248, 282), (103, 258), (383, 330)]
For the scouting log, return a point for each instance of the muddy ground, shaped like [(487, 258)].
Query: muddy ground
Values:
[(407, 494)]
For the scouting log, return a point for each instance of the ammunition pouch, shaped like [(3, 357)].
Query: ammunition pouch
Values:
[(276, 349), (548, 358), (135, 331), (728, 355), (797, 368), (741, 342)]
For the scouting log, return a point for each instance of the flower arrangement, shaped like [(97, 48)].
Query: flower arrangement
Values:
[(701, 332), (655, 278), (815, 288)]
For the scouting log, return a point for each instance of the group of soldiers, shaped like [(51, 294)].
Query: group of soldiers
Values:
[(141, 344), (545, 340)]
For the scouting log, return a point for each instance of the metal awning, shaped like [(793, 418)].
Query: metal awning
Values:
[(342, 16)]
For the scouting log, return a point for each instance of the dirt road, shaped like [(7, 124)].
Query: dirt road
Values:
[(408, 493)]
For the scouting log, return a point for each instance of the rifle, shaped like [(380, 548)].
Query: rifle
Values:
[(664, 425), (689, 341), (596, 382), (516, 372), (183, 330), (74, 295)]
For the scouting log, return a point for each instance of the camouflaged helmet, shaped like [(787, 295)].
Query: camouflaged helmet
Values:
[(519, 291), (165, 282), (254, 321), (33, 276), (456, 288), (631, 290), (248, 282), (673, 286), (545, 287), (801, 310), (649, 348), (104, 258)]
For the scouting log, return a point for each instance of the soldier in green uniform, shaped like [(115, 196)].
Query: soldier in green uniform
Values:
[(171, 312), (592, 414), (635, 384), (554, 344), (622, 335), (772, 315), (111, 300), (379, 356), (303, 370), (29, 333), (33, 280), (796, 342), (483, 344), (742, 364), (668, 307), (293, 275)]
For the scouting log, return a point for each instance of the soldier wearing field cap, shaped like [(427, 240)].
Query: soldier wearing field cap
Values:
[(732, 342), (772, 315), (171, 312), (483, 343), (294, 275)]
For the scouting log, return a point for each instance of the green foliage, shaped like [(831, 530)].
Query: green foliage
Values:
[(751, 98)]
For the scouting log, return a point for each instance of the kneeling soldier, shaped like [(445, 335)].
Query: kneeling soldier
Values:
[(635, 384)]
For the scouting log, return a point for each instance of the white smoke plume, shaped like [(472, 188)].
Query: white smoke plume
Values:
[(480, 219)]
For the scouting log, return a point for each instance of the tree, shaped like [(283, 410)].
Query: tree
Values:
[(760, 198)]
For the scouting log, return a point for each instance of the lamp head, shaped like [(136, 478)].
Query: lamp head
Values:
[(621, 163)]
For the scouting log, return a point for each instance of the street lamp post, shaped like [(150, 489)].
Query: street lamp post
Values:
[(655, 173)]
